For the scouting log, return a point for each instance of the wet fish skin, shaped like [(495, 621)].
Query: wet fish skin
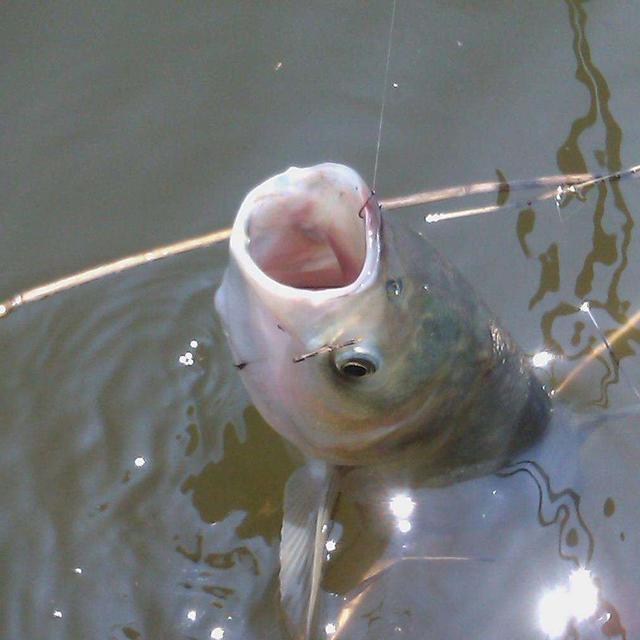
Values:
[(320, 286), (450, 388)]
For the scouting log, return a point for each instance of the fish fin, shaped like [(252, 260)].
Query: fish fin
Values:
[(309, 498)]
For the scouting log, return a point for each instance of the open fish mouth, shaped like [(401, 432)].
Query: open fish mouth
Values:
[(302, 302), (309, 229)]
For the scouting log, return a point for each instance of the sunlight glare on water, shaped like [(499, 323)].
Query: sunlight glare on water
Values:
[(402, 506), (577, 601)]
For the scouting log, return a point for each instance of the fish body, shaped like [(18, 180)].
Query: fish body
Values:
[(359, 342), (362, 346)]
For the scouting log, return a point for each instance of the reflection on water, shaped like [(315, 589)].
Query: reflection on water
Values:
[(526, 553), (575, 540), (565, 604), (526, 222), (542, 359), (550, 274), (402, 506), (149, 517), (609, 248), (229, 483)]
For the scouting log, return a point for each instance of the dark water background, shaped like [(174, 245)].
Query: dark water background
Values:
[(129, 125)]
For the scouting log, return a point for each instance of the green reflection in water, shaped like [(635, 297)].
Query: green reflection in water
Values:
[(239, 556), (526, 223), (608, 249), (609, 507), (549, 275), (363, 541), (503, 190), (578, 328), (230, 485)]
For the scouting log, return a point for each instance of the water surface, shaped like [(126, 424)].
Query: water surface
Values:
[(142, 494)]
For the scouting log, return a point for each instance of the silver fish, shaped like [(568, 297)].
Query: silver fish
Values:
[(360, 344)]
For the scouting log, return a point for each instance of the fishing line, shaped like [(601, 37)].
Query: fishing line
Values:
[(384, 95), (585, 307)]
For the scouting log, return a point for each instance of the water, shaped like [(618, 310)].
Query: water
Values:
[(131, 127)]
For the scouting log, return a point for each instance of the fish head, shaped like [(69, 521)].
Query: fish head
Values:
[(355, 339)]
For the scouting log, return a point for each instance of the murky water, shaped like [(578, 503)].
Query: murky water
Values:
[(142, 495)]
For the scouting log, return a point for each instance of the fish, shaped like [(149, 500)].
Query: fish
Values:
[(362, 346)]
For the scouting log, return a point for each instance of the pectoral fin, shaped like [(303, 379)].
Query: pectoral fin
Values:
[(309, 499)]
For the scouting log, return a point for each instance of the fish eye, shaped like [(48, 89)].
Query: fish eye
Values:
[(355, 363), (357, 368)]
